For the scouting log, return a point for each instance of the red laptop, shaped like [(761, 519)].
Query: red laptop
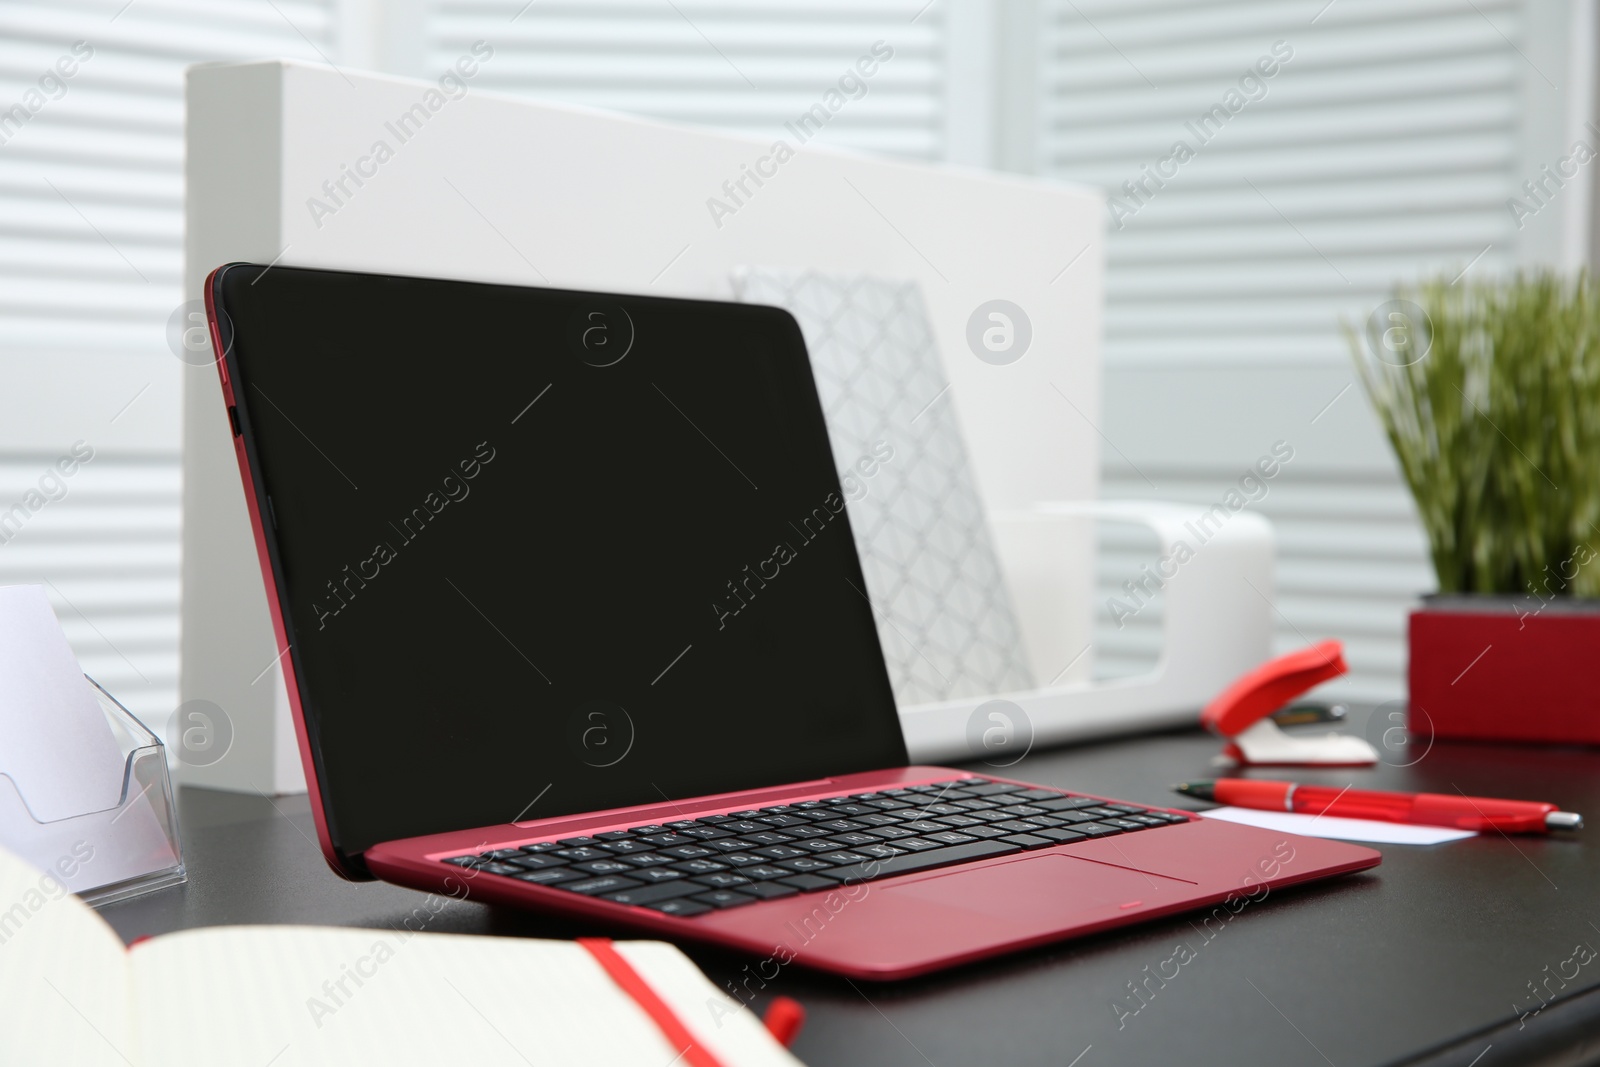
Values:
[(497, 527)]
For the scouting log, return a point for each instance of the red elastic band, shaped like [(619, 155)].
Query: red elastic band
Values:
[(783, 1020), (1270, 686), (632, 983)]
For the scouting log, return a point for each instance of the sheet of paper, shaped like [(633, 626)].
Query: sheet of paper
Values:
[(1369, 830), (57, 746)]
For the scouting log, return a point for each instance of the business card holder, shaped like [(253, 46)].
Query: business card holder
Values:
[(104, 856)]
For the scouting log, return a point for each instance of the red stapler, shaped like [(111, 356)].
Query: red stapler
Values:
[(1243, 713)]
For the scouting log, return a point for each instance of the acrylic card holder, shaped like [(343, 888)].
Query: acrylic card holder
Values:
[(129, 848)]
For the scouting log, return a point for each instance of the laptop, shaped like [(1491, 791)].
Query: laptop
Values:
[(571, 619)]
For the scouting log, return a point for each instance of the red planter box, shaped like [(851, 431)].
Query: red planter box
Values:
[(1506, 669)]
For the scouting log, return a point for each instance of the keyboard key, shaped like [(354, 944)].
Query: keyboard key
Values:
[(576, 842), (842, 857), (670, 840), (626, 845), (647, 859), (840, 826), (879, 819), (781, 852), (1015, 826), (950, 837), (956, 820), (1019, 811), (463, 861), (889, 804), (1070, 817), (880, 851), (688, 852), (499, 868), (907, 862), (808, 883), (981, 831), (1126, 809), (767, 837), (540, 846), (766, 871), (853, 839), (923, 826), (1146, 820), (816, 844), (804, 864), (916, 844), (1059, 836), (683, 907), (744, 826), (769, 890), (614, 835), (976, 804), (740, 859), (1028, 840), (582, 853), (699, 866), (722, 880), (850, 808), (1102, 810), (650, 894), (784, 819), (724, 898), (889, 833), (647, 831), (606, 883), (1035, 794), (730, 844), (657, 874), (989, 789), (681, 824), (1094, 829), (713, 820), (704, 833), (549, 876), (805, 831), (604, 867), (502, 854), (1122, 824), (1067, 803), (934, 810)]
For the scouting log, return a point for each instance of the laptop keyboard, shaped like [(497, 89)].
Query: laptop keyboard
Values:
[(699, 865)]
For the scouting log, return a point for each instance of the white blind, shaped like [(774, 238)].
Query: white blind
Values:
[(1384, 147), (91, 210), (750, 67)]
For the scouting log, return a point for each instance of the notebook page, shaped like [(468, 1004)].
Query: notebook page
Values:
[(319, 997), (63, 972)]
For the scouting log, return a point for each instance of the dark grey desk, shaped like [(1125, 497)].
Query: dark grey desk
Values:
[(1427, 959)]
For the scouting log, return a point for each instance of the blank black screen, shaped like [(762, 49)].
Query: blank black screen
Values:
[(545, 552)]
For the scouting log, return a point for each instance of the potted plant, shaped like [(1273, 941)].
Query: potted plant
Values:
[(1490, 395)]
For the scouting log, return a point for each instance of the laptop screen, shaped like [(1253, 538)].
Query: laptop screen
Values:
[(544, 552)]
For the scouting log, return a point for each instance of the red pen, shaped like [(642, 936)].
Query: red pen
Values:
[(1427, 809)]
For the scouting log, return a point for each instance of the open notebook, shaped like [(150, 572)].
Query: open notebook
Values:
[(297, 996)]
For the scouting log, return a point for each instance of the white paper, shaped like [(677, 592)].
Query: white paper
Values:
[(1331, 826), (55, 742)]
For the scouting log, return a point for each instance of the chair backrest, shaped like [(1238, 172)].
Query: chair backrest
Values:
[(945, 617)]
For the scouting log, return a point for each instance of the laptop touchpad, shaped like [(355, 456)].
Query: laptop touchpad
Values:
[(1038, 891)]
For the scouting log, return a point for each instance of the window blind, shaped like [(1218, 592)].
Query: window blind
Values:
[(91, 209), (748, 67), (1383, 146)]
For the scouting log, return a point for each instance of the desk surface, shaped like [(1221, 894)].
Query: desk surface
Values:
[(1430, 958)]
